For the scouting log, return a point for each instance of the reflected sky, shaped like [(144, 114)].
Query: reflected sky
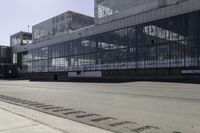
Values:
[(16, 15)]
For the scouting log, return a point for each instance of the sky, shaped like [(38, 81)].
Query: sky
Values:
[(16, 15)]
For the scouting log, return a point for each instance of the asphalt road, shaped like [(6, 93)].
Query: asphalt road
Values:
[(173, 106)]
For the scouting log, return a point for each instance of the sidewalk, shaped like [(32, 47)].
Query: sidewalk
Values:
[(13, 123), (17, 119)]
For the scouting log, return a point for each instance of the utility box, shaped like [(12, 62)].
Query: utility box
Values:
[(8, 71)]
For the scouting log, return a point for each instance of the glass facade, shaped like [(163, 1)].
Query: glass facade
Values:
[(21, 38), (108, 10), (168, 43), (60, 25)]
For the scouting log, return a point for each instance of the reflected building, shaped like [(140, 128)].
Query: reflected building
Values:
[(126, 39), (21, 38), (109, 10), (59, 25)]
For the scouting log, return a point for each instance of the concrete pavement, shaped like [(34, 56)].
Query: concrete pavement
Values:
[(16, 119), (14, 123), (166, 105)]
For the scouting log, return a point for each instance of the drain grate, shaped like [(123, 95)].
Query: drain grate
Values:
[(43, 106), (87, 115), (74, 112), (49, 108), (121, 123), (142, 129), (61, 110), (34, 104), (107, 123), (103, 119)]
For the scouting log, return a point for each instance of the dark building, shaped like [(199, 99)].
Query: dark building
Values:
[(152, 40), (7, 69), (5, 54)]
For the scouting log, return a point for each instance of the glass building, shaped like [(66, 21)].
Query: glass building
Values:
[(155, 38), (109, 10), (59, 25), (21, 38)]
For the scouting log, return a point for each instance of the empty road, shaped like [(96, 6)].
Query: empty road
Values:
[(174, 106)]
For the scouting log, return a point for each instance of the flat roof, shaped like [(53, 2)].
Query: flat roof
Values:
[(62, 14), (21, 32), (4, 46)]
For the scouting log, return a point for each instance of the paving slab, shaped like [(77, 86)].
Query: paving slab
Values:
[(17, 119), (14, 123)]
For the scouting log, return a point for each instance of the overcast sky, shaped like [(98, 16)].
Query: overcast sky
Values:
[(16, 15)]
